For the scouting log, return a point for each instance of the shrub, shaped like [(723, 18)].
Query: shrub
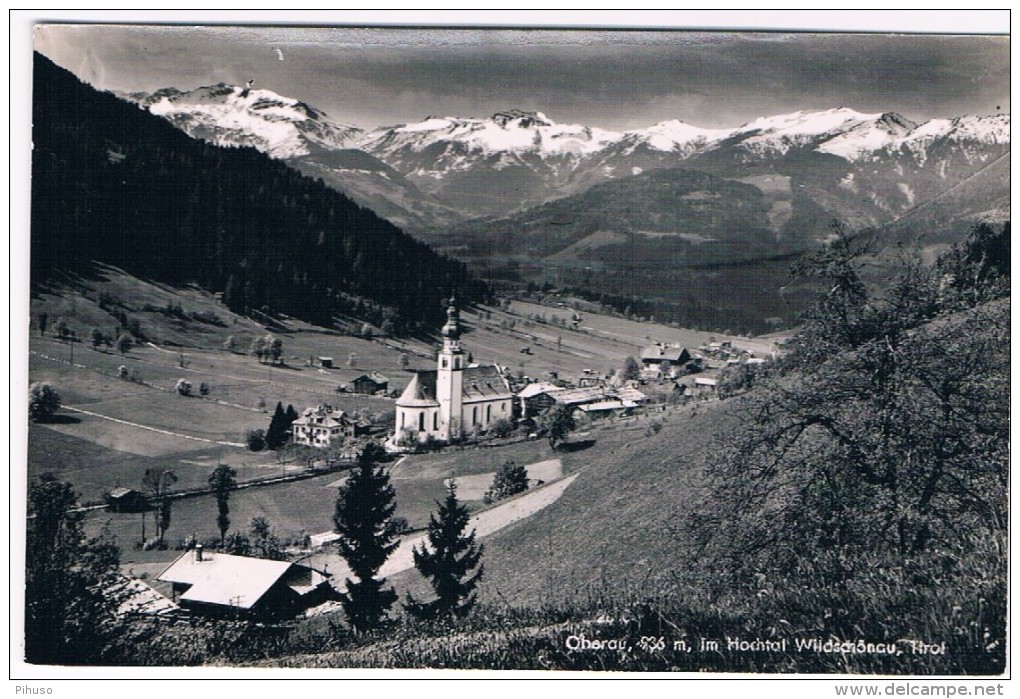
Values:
[(510, 479), (654, 427), (503, 427), (43, 401), (124, 343), (255, 440)]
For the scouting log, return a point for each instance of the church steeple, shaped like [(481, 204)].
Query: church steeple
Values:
[(450, 377), (451, 331)]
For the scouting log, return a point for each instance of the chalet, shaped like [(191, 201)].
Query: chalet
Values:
[(534, 398), (370, 384), (590, 378), (538, 398), (704, 385), (224, 585), (664, 357), (322, 426), (126, 500), (630, 396), (326, 362), (454, 399)]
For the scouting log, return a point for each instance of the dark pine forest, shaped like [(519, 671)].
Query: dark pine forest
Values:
[(114, 184)]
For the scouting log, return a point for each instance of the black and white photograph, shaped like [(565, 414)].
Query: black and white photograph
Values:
[(621, 350)]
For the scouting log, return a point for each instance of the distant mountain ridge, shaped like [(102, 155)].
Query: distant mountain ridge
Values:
[(529, 200), (445, 169)]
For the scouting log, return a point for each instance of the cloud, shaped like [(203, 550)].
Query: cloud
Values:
[(613, 79)]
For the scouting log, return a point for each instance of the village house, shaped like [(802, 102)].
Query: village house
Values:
[(224, 585), (534, 398), (539, 397), (322, 426), (454, 399), (704, 386), (371, 384), (662, 356)]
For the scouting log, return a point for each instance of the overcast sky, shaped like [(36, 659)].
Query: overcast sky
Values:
[(611, 79)]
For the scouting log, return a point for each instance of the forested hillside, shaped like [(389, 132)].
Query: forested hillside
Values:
[(115, 184)]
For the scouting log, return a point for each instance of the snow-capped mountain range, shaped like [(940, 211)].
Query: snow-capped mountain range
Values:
[(447, 167), (233, 116)]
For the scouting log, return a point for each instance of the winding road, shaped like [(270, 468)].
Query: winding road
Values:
[(484, 524)]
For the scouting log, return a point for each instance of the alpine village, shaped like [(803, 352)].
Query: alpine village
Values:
[(501, 393)]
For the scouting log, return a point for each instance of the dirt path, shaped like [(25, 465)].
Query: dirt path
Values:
[(484, 524), (153, 429)]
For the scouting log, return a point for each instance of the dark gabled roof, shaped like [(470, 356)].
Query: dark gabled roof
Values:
[(421, 390), (375, 377), (478, 382), (659, 353), (484, 382)]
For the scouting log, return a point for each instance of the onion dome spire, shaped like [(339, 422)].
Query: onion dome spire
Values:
[(452, 328)]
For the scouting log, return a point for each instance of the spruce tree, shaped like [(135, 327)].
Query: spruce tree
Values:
[(447, 561), (364, 520), (276, 435)]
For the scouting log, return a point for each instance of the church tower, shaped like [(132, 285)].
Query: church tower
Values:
[(450, 378)]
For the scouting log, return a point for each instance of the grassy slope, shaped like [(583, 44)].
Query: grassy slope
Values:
[(617, 527)]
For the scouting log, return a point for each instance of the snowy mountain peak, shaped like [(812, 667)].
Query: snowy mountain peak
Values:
[(674, 135), (892, 132), (523, 119), (896, 123), (803, 123), (227, 114)]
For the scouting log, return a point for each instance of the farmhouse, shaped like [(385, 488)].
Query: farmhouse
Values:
[(538, 397), (534, 398), (321, 426), (370, 384), (663, 356), (223, 585), (454, 399)]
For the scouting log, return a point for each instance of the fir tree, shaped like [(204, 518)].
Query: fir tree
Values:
[(278, 432), (364, 520), (448, 561)]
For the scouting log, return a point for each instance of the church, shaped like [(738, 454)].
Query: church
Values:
[(453, 400)]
